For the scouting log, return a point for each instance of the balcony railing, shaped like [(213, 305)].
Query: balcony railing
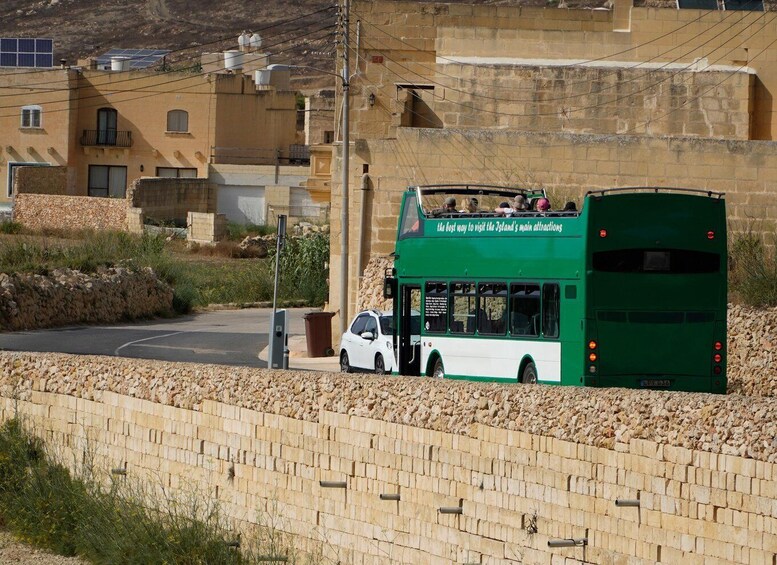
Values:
[(106, 137)]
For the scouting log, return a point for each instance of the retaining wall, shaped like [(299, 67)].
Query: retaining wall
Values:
[(519, 465), (30, 301)]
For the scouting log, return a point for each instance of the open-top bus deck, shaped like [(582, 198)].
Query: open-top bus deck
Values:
[(629, 291)]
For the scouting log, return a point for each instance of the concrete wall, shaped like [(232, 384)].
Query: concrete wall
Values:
[(44, 211), (171, 199), (523, 464)]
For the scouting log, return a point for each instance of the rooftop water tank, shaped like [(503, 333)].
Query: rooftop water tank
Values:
[(244, 40), (255, 41), (233, 60), (120, 63)]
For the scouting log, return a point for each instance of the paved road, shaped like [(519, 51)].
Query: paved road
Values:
[(225, 337)]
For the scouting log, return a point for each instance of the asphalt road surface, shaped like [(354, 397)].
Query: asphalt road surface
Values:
[(225, 337)]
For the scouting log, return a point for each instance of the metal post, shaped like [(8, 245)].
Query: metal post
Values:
[(345, 166), (278, 247)]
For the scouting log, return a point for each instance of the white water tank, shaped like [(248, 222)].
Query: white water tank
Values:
[(244, 40), (233, 60), (255, 41), (120, 63), (262, 77)]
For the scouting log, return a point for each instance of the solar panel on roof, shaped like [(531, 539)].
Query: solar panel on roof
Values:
[(138, 58), (26, 52)]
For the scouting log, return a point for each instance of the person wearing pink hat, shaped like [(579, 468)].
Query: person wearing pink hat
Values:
[(543, 205)]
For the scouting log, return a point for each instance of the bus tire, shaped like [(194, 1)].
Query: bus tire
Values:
[(529, 375), (345, 365), (380, 365), (439, 369)]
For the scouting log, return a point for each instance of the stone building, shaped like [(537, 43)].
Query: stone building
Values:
[(110, 128), (566, 99)]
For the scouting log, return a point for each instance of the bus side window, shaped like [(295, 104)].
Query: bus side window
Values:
[(492, 304), (550, 310), (524, 309), (463, 306)]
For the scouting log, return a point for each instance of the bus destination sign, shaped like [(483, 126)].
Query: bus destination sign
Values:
[(475, 227)]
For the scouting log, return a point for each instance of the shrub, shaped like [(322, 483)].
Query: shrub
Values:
[(304, 268), (753, 270)]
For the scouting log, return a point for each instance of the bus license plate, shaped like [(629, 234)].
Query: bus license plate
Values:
[(655, 383)]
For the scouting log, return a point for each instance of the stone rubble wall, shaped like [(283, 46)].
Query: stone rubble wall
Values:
[(49, 211), (30, 301), (520, 464), (752, 335)]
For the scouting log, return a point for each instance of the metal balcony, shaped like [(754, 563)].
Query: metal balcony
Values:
[(106, 137)]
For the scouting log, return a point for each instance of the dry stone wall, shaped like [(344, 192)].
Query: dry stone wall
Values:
[(29, 301), (518, 465), (48, 211)]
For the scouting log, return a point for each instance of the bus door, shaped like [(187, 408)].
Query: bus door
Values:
[(409, 328)]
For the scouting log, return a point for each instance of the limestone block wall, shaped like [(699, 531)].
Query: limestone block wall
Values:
[(566, 164), (206, 228), (168, 199), (30, 301), (362, 466), (46, 211)]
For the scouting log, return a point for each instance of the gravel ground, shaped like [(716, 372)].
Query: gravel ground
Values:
[(13, 551)]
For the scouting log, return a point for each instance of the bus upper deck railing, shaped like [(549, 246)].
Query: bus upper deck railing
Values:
[(656, 189)]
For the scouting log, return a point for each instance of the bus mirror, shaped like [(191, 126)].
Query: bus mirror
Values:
[(389, 287)]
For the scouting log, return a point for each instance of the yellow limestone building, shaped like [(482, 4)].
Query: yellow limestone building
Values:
[(566, 99), (111, 127)]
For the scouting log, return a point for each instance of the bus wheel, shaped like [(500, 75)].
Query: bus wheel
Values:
[(380, 365), (345, 366), (439, 370), (529, 375)]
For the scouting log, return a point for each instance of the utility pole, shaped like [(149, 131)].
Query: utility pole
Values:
[(345, 165)]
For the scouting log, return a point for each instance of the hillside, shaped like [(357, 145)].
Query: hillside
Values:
[(82, 28)]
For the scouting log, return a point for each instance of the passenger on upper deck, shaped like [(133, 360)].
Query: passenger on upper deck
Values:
[(504, 209), (570, 207), (519, 202), (449, 207), (469, 206), (543, 205)]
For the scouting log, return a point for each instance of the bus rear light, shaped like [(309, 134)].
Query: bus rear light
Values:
[(717, 370), (592, 357), (710, 235), (592, 369), (718, 346), (592, 345), (718, 357), (602, 233)]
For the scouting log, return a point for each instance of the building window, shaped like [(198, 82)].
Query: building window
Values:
[(178, 121), (176, 173), (107, 122), (329, 137), (107, 181), (31, 116)]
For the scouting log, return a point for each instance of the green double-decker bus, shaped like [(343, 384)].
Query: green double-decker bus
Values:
[(630, 291)]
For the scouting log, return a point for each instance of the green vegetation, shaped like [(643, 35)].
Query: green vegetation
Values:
[(202, 276), (115, 520), (753, 270)]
